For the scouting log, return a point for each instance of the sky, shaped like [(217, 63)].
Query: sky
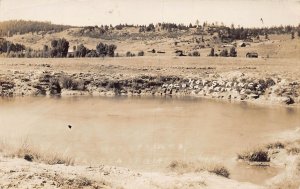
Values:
[(98, 12)]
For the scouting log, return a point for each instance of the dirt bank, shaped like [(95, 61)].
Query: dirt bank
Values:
[(19, 173), (260, 81)]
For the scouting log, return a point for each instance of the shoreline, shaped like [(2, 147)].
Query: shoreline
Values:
[(17, 171), (272, 81), (264, 91)]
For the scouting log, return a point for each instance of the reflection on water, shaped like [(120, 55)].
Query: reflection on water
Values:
[(142, 133)]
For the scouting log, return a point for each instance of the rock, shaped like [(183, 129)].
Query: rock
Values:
[(243, 96), (288, 100), (28, 157), (253, 96), (55, 88)]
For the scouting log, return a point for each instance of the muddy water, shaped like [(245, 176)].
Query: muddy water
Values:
[(146, 133)]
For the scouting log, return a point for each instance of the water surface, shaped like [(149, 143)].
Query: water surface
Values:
[(145, 133)]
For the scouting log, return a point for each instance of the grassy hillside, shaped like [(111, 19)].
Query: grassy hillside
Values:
[(12, 27), (164, 38)]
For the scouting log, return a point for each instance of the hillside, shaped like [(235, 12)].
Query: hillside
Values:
[(162, 39), (13, 27), (278, 46)]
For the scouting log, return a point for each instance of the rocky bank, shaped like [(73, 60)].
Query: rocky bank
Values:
[(235, 85)]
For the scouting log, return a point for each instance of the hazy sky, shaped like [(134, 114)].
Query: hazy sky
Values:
[(97, 12)]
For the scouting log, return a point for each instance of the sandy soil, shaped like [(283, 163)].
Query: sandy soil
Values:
[(19, 173)]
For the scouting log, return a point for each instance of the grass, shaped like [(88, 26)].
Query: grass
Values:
[(71, 83), (188, 167), (255, 155), (276, 145), (31, 153), (75, 182), (293, 150)]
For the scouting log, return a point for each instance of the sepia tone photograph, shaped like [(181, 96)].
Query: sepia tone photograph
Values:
[(150, 94)]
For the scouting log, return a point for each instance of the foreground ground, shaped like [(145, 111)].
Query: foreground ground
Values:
[(272, 80), (24, 171), (18, 173)]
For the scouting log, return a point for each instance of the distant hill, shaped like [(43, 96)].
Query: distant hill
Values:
[(12, 27)]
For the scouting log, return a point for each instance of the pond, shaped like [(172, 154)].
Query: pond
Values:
[(146, 133)]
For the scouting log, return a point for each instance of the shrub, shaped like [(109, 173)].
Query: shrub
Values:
[(293, 150), (141, 53), (233, 52), (72, 84), (188, 167), (128, 54), (276, 145), (55, 88), (91, 53), (196, 53), (224, 53), (256, 155), (221, 171)]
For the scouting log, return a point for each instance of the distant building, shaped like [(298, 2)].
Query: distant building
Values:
[(71, 53)]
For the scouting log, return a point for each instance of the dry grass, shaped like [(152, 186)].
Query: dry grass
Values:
[(255, 155), (72, 84), (293, 150), (188, 167), (74, 182), (276, 145), (31, 153), (2, 145)]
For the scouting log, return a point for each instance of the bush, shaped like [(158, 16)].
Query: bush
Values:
[(55, 88), (129, 54), (72, 84), (293, 150), (221, 171), (276, 145), (256, 155), (224, 53), (91, 53), (199, 166), (196, 53), (141, 53), (233, 52)]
